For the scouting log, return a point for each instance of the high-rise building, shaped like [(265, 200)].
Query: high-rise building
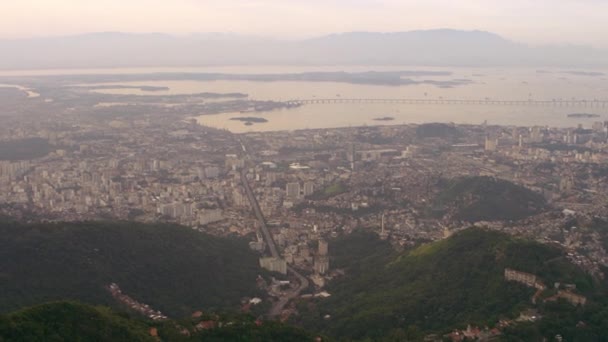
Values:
[(352, 157), (274, 264), (271, 177), (293, 190), (321, 264), (515, 133), (323, 247), (536, 135), (383, 232), (491, 144), (309, 188), (239, 198)]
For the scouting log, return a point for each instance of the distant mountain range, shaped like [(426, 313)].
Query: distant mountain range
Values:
[(443, 47)]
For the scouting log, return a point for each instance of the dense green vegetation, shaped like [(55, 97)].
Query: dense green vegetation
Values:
[(360, 212), (596, 224), (589, 323), (385, 295), (475, 199), (24, 149), (437, 130), (439, 286), (239, 327), (360, 251), (562, 147), (69, 321), (173, 269), (332, 190)]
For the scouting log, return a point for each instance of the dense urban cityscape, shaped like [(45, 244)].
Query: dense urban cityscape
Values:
[(309, 186), (304, 171)]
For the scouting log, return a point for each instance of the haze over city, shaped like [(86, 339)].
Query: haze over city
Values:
[(314, 170)]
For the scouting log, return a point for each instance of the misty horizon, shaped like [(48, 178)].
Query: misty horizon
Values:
[(311, 36), (541, 22), (439, 48)]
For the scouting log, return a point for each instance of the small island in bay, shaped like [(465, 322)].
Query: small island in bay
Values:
[(583, 115), (385, 118), (249, 120), (153, 88)]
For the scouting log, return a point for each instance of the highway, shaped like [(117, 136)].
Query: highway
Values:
[(278, 307), (258, 214)]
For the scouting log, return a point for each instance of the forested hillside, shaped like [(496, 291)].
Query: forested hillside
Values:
[(488, 199), (72, 321), (173, 269), (444, 285)]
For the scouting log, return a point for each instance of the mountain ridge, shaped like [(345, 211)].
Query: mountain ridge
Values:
[(438, 47)]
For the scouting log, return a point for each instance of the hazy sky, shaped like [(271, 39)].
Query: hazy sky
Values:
[(530, 21)]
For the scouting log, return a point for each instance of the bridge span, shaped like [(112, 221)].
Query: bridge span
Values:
[(488, 102)]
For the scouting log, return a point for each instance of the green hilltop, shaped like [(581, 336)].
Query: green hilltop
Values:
[(173, 269), (440, 286), (484, 198), (72, 321)]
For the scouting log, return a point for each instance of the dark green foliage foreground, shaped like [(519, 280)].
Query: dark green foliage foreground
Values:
[(238, 328), (489, 199), (70, 321), (250, 332), (440, 286), (385, 296), (173, 269)]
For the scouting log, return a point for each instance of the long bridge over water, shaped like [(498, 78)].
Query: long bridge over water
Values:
[(488, 102)]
